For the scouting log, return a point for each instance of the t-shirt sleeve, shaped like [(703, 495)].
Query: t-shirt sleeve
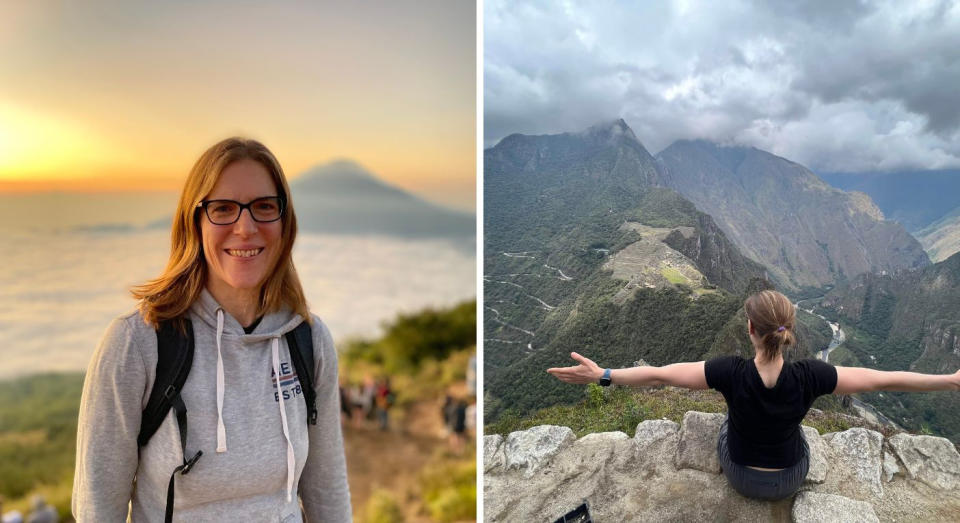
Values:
[(821, 378), (719, 372)]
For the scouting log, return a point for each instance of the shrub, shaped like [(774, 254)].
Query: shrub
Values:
[(382, 508)]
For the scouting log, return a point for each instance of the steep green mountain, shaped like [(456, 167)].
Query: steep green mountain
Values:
[(906, 321), (941, 239), (585, 251), (778, 213), (915, 199)]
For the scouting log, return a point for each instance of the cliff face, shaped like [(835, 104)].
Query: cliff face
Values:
[(780, 214), (670, 472)]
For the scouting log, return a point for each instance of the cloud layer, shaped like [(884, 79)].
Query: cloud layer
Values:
[(836, 86)]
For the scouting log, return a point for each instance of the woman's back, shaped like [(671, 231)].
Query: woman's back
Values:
[(764, 421)]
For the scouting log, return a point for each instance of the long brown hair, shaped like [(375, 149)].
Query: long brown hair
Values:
[(171, 294), (773, 318)]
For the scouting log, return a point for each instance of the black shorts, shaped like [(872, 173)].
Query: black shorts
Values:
[(762, 484)]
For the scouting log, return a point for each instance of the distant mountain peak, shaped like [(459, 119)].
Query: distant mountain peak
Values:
[(611, 130), (341, 168)]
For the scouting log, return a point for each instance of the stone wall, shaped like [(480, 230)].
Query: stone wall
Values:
[(670, 472)]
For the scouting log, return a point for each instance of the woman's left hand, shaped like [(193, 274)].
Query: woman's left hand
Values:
[(586, 372)]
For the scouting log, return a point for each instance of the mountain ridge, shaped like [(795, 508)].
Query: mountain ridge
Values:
[(779, 213)]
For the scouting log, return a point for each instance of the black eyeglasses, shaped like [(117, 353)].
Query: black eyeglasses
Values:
[(226, 212)]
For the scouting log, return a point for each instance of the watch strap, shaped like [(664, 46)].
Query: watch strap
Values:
[(605, 379)]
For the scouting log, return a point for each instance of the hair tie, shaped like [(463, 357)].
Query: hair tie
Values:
[(781, 328)]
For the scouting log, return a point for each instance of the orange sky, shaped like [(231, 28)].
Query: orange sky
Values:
[(126, 97)]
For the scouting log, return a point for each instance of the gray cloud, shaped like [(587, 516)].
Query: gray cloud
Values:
[(847, 86)]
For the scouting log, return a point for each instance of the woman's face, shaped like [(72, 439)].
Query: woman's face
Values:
[(241, 255)]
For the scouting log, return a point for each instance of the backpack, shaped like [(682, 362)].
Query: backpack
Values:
[(174, 359)]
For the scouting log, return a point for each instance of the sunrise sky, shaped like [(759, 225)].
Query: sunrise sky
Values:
[(125, 96)]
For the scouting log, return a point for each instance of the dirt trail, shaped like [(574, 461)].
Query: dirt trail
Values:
[(392, 459)]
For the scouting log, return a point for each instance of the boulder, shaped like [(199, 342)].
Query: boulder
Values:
[(858, 461), (655, 444), (493, 452), (697, 448), (929, 459), (814, 507), (530, 449), (818, 455), (600, 450), (651, 432)]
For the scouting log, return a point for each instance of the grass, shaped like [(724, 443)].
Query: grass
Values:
[(674, 276)]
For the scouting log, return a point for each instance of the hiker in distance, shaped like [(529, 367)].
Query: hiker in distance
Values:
[(222, 339), (761, 447)]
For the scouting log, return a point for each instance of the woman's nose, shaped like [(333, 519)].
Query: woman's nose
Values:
[(245, 224)]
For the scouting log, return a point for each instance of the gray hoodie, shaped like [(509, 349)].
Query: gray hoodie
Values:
[(258, 451)]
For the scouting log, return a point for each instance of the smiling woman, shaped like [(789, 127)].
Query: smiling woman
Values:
[(231, 296)]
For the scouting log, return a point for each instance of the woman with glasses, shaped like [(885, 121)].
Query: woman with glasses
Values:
[(254, 449), (760, 445)]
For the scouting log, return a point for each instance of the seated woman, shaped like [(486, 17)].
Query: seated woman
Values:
[(761, 446)]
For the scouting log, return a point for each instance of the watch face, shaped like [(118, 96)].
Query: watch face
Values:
[(604, 382)]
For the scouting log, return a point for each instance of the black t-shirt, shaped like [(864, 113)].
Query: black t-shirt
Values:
[(249, 329), (764, 426)]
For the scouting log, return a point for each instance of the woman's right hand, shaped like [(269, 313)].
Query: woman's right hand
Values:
[(586, 372)]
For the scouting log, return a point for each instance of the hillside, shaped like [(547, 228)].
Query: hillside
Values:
[(583, 250), (906, 321), (808, 234), (941, 239), (915, 199)]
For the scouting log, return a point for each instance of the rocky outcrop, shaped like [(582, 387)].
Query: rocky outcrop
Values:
[(669, 472)]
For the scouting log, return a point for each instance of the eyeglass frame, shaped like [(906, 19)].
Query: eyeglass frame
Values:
[(204, 204)]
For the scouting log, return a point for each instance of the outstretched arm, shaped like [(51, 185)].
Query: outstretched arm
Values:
[(689, 375), (857, 379)]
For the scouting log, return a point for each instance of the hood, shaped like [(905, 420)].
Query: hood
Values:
[(273, 325)]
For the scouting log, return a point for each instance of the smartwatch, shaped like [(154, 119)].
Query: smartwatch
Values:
[(605, 379)]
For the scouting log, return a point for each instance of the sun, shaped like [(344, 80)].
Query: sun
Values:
[(36, 145)]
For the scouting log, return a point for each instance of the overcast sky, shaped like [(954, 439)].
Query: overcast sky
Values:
[(833, 85)]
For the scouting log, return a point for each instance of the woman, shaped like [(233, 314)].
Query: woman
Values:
[(760, 446), (231, 274)]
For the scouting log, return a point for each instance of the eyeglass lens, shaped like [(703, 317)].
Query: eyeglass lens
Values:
[(225, 212)]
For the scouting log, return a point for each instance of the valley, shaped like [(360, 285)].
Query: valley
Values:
[(594, 245)]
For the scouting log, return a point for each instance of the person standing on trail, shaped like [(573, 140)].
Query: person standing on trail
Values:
[(385, 398), (760, 445)]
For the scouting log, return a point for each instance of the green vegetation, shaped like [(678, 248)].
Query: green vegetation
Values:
[(904, 321), (449, 486), (38, 427), (623, 408), (382, 507), (425, 354), (412, 339), (674, 276)]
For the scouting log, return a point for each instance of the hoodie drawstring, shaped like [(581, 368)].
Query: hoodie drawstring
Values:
[(283, 418), (221, 430)]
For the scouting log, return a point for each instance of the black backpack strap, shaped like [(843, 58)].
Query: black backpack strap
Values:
[(181, 410), (174, 358), (300, 343)]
